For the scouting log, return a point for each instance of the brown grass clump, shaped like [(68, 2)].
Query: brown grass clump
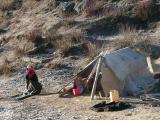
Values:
[(6, 68), (6, 4), (143, 10), (130, 38)]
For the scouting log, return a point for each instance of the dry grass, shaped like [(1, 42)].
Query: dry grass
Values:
[(143, 9), (33, 35), (53, 4), (6, 68), (69, 22), (100, 8), (19, 52), (23, 48), (5, 4), (54, 63), (64, 42), (131, 38), (1, 16), (92, 50), (93, 9)]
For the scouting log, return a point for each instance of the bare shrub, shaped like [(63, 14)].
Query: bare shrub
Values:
[(143, 9), (6, 68), (6, 4)]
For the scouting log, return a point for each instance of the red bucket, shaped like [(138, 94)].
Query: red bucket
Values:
[(76, 91)]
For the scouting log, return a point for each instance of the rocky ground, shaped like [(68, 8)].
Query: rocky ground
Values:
[(48, 106)]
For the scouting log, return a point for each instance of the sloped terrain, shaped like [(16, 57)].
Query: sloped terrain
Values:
[(58, 40)]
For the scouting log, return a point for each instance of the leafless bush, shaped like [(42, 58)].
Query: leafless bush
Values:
[(6, 68)]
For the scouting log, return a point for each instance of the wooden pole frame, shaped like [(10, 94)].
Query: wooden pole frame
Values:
[(96, 77)]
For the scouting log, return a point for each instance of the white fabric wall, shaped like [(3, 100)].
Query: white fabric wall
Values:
[(130, 68)]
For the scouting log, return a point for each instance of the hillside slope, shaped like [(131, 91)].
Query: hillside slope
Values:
[(59, 37)]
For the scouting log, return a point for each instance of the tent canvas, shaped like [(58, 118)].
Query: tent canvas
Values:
[(130, 69), (124, 70)]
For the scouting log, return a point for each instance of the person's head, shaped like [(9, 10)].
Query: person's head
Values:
[(29, 66)]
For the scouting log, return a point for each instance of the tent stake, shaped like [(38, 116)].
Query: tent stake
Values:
[(96, 77)]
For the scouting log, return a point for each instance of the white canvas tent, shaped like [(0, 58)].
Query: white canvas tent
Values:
[(124, 70)]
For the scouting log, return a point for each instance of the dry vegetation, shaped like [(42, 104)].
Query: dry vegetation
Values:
[(5, 4), (131, 38), (23, 48), (64, 43), (33, 35), (5, 67), (143, 10), (54, 63)]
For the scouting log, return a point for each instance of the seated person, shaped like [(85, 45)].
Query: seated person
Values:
[(32, 79)]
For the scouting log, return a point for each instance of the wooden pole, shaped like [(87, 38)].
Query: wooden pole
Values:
[(149, 62), (72, 79), (96, 77)]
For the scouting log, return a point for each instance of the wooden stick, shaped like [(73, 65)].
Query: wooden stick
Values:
[(96, 78), (76, 75), (90, 75), (149, 62), (72, 79)]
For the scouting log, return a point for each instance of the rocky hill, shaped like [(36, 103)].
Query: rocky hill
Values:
[(59, 37)]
